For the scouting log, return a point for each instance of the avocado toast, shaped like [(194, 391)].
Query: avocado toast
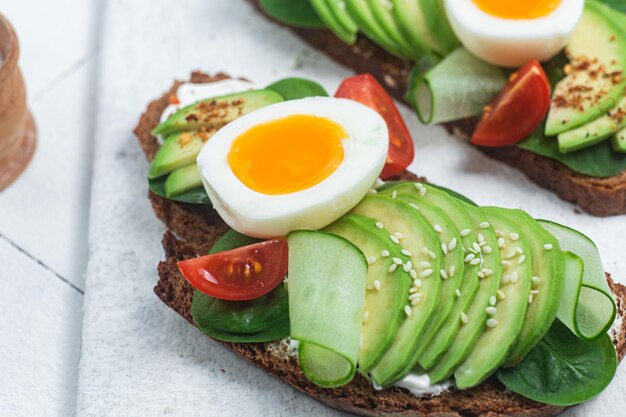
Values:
[(198, 227), (567, 174)]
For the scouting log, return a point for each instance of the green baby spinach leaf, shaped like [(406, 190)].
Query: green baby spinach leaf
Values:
[(562, 369), (295, 88), (297, 13)]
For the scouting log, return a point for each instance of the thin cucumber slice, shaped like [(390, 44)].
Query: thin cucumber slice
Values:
[(458, 87), (590, 311), (327, 279)]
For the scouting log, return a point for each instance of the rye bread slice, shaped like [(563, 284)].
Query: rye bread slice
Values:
[(197, 229), (598, 196)]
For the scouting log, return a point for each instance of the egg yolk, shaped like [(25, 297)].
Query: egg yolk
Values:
[(518, 9), (288, 154)]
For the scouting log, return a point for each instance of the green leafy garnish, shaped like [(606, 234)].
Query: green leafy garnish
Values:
[(297, 13), (295, 88), (195, 196), (562, 369)]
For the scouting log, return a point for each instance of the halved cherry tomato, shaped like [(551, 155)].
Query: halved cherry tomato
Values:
[(366, 90), (243, 273), (517, 111)]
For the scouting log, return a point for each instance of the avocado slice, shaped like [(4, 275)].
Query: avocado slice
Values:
[(619, 141), (548, 278), (506, 311), (412, 22), (182, 179), (178, 150), (474, 319), (419, 242), (213, 113), (597, 51), (386, 291), (360, 12), (333, 14), (595, 131), (384, 16), (437, 23)]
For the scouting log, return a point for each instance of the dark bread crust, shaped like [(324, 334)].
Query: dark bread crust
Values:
[(198, 229), (598, 196)]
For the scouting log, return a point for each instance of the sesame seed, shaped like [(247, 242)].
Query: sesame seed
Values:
[(394, 194), (414, 206), (548, 246), (501, 295), (399, 235), (451, 271), (501, 242), (413, 290), (452, 244), (426, 273), (392, 268), (415, 301), (414, 296), (438, 228), (394, 239), (534, 292), (492, 300), (422, 192), (366, 315), (481, 274), (464, 318), (465, 232), (379, 225), (432, 255), (407, 266), (519, 250), (530, 299), (487, 249), (487, 271), (469, 257), (406, 252), (372, 192), (481, 244), (419, 186), (475, 261), (457, 292), (506, 279), (514, 236), (444, 248), (377, 284), (413, 273), (514, 277), (480, 238), (385, 253), (484, 225), (371, 260), (506, 264), (417, 283), (407, 310), (425, 264), (500, 233), (476, 247), (491, 310), (536, 280), (511, 254), (397, 261), (492, 323), (521, 259), (443, 274), (369, 287)]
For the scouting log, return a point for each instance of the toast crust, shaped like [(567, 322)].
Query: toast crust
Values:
[(197, 229), (598, 196)]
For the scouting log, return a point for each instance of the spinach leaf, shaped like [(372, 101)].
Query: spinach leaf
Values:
[(297, 13), (261, 320), (195, 196), (562, 369), (295, 88)]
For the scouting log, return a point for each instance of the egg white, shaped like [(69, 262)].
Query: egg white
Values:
[(513, 42), (261, 215)]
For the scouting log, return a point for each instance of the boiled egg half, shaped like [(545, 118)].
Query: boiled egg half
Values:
[(299, 164), (510, 33)]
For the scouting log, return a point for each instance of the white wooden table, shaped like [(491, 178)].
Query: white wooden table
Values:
[(44, 215)]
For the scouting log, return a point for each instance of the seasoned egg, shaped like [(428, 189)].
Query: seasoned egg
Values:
[(298, 164), (510, 33)]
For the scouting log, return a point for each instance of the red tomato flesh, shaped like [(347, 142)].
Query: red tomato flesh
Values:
[(366, 90), (243, 273), (517, 111)]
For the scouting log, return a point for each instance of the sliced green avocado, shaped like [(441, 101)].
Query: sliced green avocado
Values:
[(410, 232), (437, 23), (619, 141), (383, 13), (336, 19), (485, 249), (386, 294), (548, 278), (364, 18), (506, 312), (597, 50), (595, 131), (178, 150), (213, 113), (412, 22), (182, 179)]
